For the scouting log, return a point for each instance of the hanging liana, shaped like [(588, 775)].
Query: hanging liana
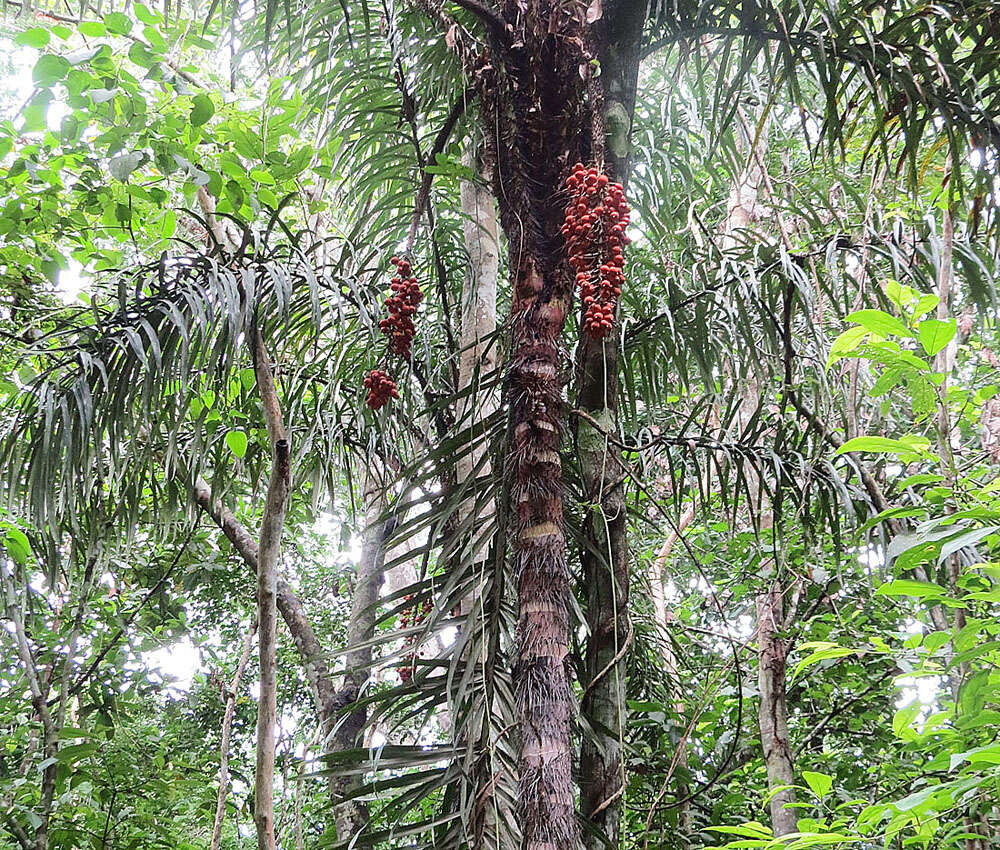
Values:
[(596, 217), (399, 328)]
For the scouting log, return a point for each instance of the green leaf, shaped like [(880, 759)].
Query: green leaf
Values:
[(820, 783), (934, 334), (92, 29), (49, 69), (36, 37), (118, 23), (879, 322), (146, 15), (902, 720), (168, 224), (237, 442), (910, 587), (849, 341), (124, 164), (16, 543), (202, 110), (886, 445)]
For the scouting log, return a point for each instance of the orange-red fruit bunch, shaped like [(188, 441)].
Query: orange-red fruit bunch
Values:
[(402, 304), (412, 615), (596, 218), (380, 388)]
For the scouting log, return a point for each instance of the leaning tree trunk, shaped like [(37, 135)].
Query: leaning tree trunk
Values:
[(604, 550)]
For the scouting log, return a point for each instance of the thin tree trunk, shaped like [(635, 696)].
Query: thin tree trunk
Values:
[(310, 650), (773, 714), (227, 727), (51, 725), (330, 702), (271, 526), (50, 734), (351, 815), (604, 550), (772, 650), (670, 665)]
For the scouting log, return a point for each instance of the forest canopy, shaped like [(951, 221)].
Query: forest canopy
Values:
[(498, 424)]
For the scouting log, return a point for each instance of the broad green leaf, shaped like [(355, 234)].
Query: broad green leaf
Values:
[(886, 445), (124, 164), (237, 442), (202, 110), (902, 720), (118, 23), (847, 343), (17, 545), (49, 69), (935, 335), (820, 783), (36, 37), (910, 587), (879, 322)]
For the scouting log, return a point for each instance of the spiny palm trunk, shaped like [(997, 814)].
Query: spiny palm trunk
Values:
[(604, 552), (541, 681)]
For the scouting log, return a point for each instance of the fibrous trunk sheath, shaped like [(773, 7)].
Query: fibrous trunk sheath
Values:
[(541, 681)]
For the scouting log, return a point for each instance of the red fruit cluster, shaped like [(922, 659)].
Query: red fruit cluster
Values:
[(402, 304), (412, 615), (596, 218), (380, 388)]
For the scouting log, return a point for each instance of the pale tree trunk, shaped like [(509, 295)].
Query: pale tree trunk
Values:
[(477, 350), (227, 728), (487, 758), (772, 654), (772, 650), (672, 669), (604, 551), (350, 816), (272, 524)]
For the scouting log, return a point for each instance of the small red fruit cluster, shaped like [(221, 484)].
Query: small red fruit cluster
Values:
[(412, 615), (596, 218), (402, 305), (380, 388)]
